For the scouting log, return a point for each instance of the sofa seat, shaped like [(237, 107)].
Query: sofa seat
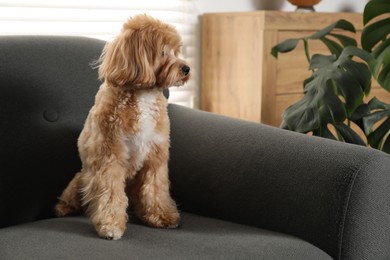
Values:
[(197, 238)]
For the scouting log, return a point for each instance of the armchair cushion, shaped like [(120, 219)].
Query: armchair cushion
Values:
[(198, 238)]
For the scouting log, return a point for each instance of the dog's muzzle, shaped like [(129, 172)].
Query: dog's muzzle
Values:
[(185, 69)]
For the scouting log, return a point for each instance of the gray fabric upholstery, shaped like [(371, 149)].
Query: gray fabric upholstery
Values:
[(197, 238), (332, 194), (246, 190), (47, 87)]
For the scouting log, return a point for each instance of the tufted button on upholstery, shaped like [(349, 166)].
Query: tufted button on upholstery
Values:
[(50, 115)]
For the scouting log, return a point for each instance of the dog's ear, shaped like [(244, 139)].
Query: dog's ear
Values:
[(126, 61)]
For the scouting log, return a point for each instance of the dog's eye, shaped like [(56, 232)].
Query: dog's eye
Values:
[(162, 53)]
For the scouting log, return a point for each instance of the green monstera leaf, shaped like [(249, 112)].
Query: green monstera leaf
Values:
[(378, 137), (336, 89), (326, 35), (375, 39), (334, 94)]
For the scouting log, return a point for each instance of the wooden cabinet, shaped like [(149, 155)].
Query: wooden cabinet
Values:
[(240, 78)]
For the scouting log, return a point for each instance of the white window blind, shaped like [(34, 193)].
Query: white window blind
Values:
[(103, 19)]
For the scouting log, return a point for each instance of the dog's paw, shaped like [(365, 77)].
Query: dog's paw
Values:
[(63, 209), (110, 232), (165, 220)]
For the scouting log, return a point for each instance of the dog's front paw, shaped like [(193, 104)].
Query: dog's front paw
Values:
[(110, 232), (110, 229)]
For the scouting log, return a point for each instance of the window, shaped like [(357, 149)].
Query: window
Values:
[(103, 20)]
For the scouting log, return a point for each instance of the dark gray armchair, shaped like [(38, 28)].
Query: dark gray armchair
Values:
[(245, 190)]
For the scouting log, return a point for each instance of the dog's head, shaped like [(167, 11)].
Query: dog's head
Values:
[(144, 55)]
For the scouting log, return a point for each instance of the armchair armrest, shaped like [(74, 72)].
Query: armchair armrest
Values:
[(334, 195)]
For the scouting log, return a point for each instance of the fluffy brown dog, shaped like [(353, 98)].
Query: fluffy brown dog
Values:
[(125, 141)]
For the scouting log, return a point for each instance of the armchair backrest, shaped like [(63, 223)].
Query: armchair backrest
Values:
[(47, 87)]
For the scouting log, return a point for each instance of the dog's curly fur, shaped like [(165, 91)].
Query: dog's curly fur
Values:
[(124, 145)]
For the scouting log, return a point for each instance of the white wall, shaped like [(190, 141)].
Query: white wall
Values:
[(212, 6)]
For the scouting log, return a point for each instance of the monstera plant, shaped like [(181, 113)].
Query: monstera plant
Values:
[(334, 94)]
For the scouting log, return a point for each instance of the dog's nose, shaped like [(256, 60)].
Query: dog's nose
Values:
[(185, 69)]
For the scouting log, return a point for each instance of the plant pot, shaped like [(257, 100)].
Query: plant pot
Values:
[(304, 5)]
